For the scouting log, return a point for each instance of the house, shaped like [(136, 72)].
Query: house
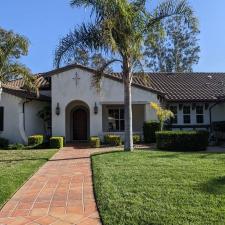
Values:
[(79, 110)]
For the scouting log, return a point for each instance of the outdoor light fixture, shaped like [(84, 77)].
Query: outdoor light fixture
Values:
[(57, 110), (96, 108)]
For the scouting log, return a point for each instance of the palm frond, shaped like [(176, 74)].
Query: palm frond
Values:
[(170, 8), (97, 77), (18, 70), (86, 36)]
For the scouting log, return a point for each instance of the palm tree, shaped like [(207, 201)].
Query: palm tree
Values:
[(119, 29), (12, 47)]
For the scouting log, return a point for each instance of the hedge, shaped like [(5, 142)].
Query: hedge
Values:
[(136, 138), (114, 140), (149, 130), (36, 140), (94, 142), (56, 142), (4, 143), (182, 140)]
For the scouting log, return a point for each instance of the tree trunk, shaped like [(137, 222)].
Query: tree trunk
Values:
[(128, 142)]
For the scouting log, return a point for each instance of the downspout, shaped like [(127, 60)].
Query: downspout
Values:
[(27, 101)]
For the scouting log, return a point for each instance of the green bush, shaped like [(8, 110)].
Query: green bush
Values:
[(16, 146), (114, 140), (4, 143), (149, 130), (56, 142), (136, 138), (182, 140), (36, 140), (94, 142)]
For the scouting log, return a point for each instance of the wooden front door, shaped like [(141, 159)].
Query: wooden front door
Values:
[(80, 125)]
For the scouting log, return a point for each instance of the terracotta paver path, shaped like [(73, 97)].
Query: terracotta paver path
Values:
[(61, 192)]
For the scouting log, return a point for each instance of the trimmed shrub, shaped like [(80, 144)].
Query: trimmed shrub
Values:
[(182, 140), (149, 130), (4, 143), (56, 142), (36, 140), (94, 142), (136, 138), (114, 140), (16, 146)]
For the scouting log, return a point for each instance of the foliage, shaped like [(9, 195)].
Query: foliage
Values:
[(162, 114), (4, 143), (45, 114), (16, 146), (177, 50), (156, 188), (136, 138), (18, 166), (118, 29), (114, 140), (12, 47), (182, 140), (56, 142), (36, 140), (149, 130), (95, 142)]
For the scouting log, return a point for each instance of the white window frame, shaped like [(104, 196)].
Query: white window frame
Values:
[(200, 114), (119, 119), (187, 114)]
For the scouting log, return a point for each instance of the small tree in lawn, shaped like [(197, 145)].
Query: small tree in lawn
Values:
[(162, 114), (119, 29)]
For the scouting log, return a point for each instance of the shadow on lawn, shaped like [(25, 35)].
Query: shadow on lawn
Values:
[(214, 186)]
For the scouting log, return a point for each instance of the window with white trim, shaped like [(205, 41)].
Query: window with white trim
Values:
[(116, 121), (173, 109), (199, 114), (186, 114)]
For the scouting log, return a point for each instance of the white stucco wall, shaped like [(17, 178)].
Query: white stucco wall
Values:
[(33, 123), (14, 118), (12, 110), (64, 91)]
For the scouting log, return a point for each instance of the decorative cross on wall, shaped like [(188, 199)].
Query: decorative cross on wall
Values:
[(76, 78)]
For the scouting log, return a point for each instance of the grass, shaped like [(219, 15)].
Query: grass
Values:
[(17, 166), (147, 188)]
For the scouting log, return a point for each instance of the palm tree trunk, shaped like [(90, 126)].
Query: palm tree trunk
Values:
[(128, 142)]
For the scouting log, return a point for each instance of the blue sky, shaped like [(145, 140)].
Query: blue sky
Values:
[(44, 22)]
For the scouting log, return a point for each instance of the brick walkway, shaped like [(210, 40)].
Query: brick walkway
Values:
[(61, 192)]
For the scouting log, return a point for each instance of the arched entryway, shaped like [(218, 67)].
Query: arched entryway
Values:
[(77, 121)]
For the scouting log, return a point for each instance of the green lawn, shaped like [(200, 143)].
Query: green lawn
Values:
[(17, 166), (144, 188)]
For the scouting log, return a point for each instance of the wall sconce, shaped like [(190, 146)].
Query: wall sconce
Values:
[(57, 110), (95, 108)]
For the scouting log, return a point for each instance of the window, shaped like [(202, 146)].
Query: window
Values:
[(1, 118), (174, 110), (116, 119), (186, 114), (199, 114)]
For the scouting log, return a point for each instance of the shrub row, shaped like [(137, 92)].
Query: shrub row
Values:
[(95, 142), (182, 140), (149, 130)]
